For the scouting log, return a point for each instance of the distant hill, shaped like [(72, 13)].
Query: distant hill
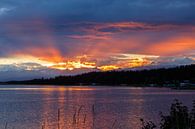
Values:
[(159, 77)]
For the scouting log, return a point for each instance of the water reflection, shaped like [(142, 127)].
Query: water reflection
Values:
[(57, 88), (137, 110), (70, 110), (53, 107)]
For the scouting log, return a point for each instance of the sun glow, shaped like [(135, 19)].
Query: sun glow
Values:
[(116, 61), (70, 65), (20, 59), (108, 67)]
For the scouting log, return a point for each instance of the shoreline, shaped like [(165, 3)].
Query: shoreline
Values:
[(113, 86)]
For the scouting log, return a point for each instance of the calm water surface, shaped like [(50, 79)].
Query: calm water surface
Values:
[(36, 107)]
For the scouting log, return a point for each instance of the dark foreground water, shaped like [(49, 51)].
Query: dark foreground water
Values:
[(50, 107)]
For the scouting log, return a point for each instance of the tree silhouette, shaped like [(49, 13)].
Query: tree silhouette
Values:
[(159, 77)]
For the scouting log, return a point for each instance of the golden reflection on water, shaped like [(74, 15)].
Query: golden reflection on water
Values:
[(138, 102), (74, 105), (60, 88), (72, 112)]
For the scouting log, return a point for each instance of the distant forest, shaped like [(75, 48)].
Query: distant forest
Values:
[(157, 77)]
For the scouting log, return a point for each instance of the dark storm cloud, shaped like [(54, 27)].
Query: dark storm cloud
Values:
[(40, 37), (180, 11), (22, 21)]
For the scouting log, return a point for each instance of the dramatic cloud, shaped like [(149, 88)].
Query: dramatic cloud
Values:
[(85, 35)]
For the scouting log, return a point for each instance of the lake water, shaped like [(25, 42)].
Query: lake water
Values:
[(53, 107)]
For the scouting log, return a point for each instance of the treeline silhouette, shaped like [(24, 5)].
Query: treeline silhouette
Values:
[(140, 77)]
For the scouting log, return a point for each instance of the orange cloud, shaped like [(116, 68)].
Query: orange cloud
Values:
[(47, 54), (108, 67), (172, 46), (70, 65), (99, 41), (138, 62)]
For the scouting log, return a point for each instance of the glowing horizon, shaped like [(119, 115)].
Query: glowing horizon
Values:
[(123, 61)]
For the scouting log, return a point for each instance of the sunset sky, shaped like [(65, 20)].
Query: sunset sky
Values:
[(45, 38)]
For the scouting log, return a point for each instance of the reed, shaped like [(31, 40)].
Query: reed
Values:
[(78, 114), (113, 125), (74, 120), (93, 116), (178, 118), (6, 124), (58, 118)]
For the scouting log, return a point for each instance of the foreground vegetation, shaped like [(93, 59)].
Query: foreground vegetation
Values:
[(154, 77), (178, 118)]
